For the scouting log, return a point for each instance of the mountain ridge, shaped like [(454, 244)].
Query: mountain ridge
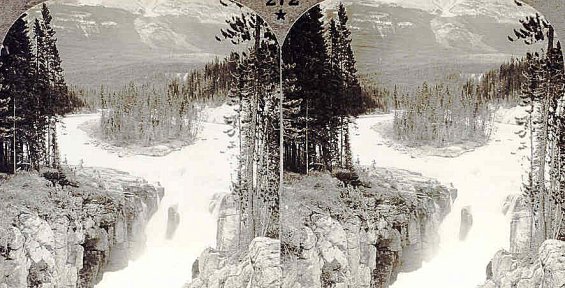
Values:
[(392, 42)]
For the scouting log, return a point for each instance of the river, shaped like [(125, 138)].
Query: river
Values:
[(483, 177), (191, 177)]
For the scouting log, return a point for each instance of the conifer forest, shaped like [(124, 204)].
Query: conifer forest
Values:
[(33, 96), (379, 143)]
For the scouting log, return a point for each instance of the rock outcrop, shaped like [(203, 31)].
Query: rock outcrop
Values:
[(229, 265), (547, 270), (173, 221), (227, 234), (466, 222), (98, 228), (517, 267), (335, 236), (259, 267), (520, 225)]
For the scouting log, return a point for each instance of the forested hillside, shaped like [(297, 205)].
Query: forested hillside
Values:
[(455, 111), (437, 116)]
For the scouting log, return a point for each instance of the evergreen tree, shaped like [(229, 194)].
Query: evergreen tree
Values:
[(352, 86), (32, 95), (56, 98), (17, 91), (6, 125), (327, 89), (543, 94), (306, 52), (255, 97)]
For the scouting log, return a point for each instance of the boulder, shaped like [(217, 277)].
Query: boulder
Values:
[(173, 221), (552, 258), (264, 256), (195, 269), (466, 222), (259, 267)]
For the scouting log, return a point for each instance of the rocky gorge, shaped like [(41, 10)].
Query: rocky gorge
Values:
[(337, 235), (520, 267), (231, 265), (68, 237), (546, 269)]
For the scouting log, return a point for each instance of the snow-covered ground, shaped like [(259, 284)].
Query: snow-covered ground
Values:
[(191, 177), (483, 177)]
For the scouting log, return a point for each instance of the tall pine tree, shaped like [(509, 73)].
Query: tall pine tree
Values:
[(18, 92), (543, 95), (255, 97), (327, 89)]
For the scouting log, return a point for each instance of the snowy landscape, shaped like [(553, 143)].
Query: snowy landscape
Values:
[(420, 143)]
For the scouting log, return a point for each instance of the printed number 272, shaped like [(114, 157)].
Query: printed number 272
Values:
[(281, 2)]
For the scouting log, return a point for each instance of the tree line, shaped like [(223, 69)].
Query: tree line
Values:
[(33, 95), (440, 116), (149, 114), (542, 95), (503, 86), (208, 83), (462, 110)]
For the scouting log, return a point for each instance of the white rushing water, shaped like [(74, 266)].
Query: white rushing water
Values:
[(483, 177), (191, 177)]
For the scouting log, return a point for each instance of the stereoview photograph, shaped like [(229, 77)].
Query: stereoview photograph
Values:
[(282, 143)]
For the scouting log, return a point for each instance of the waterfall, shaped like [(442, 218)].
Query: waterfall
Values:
[(483, 177), (189, 185)]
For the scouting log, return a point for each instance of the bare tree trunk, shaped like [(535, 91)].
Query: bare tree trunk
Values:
[(307, 144), (251, 167), (541, 171)]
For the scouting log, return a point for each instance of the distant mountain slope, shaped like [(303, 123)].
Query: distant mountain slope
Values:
[(112, 46), (396, 41), (408, 45)]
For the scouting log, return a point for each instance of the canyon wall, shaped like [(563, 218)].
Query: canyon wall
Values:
[(520, 267), (336, 236), (95, 227), (230, 264), (546, 269)]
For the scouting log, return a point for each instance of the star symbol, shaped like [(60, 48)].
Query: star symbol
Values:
[(281, 15)]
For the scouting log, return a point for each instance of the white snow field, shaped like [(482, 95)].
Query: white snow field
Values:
[(483, 177), (191, 177)]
